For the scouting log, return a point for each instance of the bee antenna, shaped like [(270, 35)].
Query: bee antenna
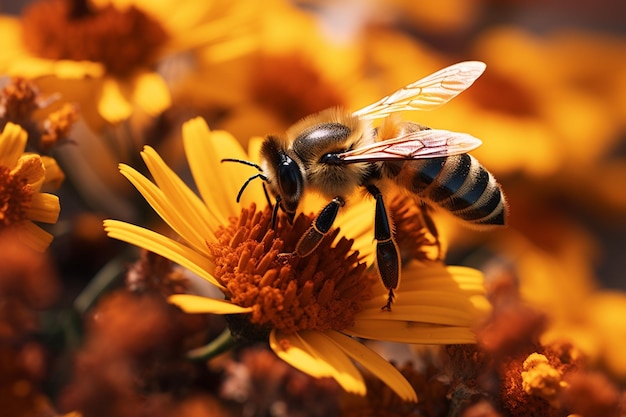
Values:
[(244, 162), (245, 184)]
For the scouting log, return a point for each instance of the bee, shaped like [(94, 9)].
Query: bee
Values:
[(336, 152)]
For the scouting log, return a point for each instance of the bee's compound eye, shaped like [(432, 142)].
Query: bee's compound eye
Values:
[(289, 179)]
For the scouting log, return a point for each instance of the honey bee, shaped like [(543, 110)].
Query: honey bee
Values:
[(336, 152)]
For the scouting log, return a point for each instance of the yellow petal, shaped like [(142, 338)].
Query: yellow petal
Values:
[(151, 93), (291, 349), (227, 50), (433, 293), (187, 202), (30, 167), (33, 67), (357, 222), (12, 40), (44, 208), (441, 277), (314, 354), (219, 182), (374, 363), (254, 149), (410, 332), (211, 25), (112, 105), (186, 224), (67, 69), (54, 175), (161, 245), (448, 299), (342, 368), (12, 144), (176, 16), (33, 236), (197, 304), (189, 206), (203, 166), (420, 313)]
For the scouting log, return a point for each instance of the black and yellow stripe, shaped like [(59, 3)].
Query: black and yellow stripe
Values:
[(456, 183)]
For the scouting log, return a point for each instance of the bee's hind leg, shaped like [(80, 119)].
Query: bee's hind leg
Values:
[(322, 224), (387, 254)]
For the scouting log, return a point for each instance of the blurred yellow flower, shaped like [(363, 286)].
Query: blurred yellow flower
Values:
[(442, 18), (561, 283), (22, 176), (308, 307), (295, 71), (102, 54), (597, 326), (22, 103), (568, 101)]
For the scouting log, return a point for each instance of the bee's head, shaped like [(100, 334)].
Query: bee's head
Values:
[(285, 176)]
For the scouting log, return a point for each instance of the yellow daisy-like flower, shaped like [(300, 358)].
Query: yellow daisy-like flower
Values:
[(102, 54), (308, 307), (254, 90), (22, 176)]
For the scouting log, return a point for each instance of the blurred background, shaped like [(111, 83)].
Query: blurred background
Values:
[(550, 110)]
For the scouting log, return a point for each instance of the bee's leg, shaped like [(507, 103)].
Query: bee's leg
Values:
[(320, 227), (387, 253), (425, 209), (275, 212), (267, 197)]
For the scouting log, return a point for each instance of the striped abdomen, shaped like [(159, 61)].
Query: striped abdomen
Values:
[(456, 183)]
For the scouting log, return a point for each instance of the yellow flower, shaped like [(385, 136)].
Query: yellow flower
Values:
[(308, 307), (22, 104), (448, 17), (255, 90), (22, 176), (102, 54)]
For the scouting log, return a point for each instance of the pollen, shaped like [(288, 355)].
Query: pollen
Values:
[(15, 198), (540, 378), (122, 40), (290, 293)]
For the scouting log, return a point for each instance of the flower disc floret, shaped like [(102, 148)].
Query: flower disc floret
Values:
[(286, 292)]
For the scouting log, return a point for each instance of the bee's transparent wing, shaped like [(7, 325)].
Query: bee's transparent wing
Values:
[(427, 93), (429, 143)]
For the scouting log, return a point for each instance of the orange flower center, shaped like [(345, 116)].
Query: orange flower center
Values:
[(319, 292), (15, 198), (121, 40)]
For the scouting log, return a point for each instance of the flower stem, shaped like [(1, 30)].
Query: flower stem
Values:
[(219, 345)]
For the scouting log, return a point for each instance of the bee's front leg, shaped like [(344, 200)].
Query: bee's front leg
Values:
[(387, 254), (320, 227)]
